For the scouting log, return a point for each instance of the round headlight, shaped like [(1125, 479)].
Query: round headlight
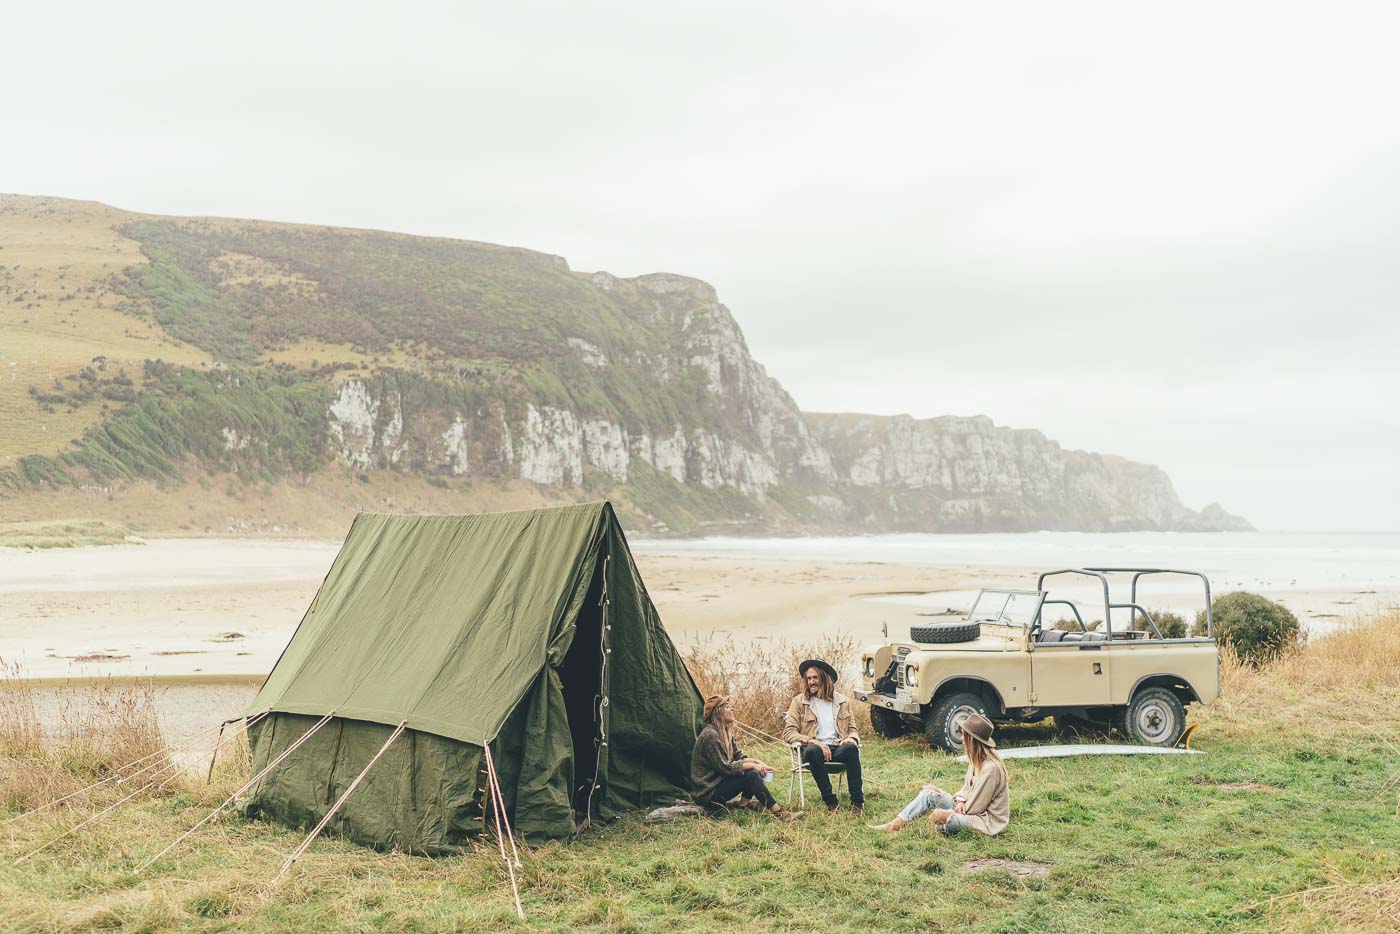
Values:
[(870, 667), (911, 676)]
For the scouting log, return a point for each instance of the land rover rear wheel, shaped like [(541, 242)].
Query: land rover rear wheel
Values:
[(943, 720), (1154, 716), (887, 723)]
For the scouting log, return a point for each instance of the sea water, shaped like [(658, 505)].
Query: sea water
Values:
[(1292, 566), (1233, 560)]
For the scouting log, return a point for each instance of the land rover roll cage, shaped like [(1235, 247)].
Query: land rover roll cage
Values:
[(1101, 574)]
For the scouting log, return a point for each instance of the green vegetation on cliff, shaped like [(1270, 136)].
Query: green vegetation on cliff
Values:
[(185, 417), (463, 310)]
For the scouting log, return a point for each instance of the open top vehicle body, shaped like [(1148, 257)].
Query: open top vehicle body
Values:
[(1008, 663)]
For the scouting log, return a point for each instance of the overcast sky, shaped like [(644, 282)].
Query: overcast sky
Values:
[(1167, 231)]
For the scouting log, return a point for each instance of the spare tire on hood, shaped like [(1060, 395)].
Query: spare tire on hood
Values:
[(945, 632)]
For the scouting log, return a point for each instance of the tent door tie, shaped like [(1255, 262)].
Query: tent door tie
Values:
[(413, 770)]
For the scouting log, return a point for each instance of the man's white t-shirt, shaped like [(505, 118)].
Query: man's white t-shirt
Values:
[(826, 720)]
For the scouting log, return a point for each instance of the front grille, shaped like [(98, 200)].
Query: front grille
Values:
[(899, 674)]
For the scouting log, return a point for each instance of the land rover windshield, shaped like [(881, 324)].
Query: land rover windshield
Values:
[(1006, 607)]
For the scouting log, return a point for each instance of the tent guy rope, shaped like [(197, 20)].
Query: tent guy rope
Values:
[(118, 775), (296, 854), (246, 785), (497, 812)]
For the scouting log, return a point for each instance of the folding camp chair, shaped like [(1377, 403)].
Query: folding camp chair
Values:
[(799, 769)]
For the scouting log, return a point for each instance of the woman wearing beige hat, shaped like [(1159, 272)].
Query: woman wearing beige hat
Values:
[(719, 771), (983, 804)]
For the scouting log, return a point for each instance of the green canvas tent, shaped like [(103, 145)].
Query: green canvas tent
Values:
[(528, 632)]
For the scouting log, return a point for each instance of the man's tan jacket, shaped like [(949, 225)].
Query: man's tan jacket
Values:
[(800, 724)]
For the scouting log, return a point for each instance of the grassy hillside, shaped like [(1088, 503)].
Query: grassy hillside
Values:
[(243, 291), (58, 260), (1288, 822)]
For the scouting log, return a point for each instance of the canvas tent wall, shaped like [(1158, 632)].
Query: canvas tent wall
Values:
[(529, 631)]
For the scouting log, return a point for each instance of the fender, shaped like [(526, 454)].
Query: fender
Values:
[(975, 679), (1195, 695)]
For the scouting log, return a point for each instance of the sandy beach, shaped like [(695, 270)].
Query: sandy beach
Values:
[(215, 609), (224, 608), (206, 619)]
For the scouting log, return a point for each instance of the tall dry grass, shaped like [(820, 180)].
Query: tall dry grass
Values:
[(761, 679), (1345, 681), (95, 728)]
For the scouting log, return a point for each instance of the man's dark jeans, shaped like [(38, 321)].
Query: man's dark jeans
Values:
[(848, 755)]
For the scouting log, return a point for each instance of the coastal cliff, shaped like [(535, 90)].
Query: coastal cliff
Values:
[(272, 351)]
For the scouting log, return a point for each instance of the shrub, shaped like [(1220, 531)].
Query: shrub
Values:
[(1255, 628), (1172, 625), (1072, 625)]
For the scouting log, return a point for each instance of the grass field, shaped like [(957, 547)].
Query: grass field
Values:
[(1290, 821)]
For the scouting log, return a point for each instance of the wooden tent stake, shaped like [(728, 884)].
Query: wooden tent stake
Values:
[(215, 754), (296, 854), (247, 722)]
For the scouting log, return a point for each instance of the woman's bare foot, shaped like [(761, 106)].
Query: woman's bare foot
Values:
[(891, 826)]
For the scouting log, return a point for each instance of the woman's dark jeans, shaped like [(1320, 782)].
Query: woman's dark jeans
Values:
[(750, 783)]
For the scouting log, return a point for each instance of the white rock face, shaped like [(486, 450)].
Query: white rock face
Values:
[(715, 462), (605, 448), (393, 432), (591, 355), (233, 441), (351, 424), (455, 442), (668, 454), (550, 448)]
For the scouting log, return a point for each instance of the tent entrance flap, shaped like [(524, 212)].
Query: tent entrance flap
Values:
[(581, 678)]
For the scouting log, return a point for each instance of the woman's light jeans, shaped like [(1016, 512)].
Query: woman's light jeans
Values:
[(929, 800)]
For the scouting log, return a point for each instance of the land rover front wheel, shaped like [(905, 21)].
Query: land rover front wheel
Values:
[(944, 718), (1154, 716), (887, 723)]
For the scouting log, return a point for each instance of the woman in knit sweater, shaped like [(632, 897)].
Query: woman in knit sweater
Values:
[(719, 771), (983, 804)]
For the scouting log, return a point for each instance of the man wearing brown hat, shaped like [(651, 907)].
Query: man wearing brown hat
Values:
[(820, 719)]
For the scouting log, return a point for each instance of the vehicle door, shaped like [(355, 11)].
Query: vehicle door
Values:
[(1071, 670)]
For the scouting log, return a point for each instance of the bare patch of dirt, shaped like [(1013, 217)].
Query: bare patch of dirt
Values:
[(181, 652), (1021, 869)]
